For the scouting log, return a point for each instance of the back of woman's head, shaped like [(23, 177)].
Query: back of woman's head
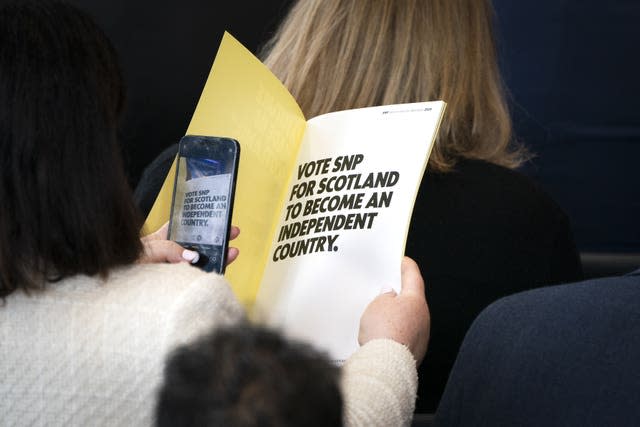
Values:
[(341, 54), (66, 203)]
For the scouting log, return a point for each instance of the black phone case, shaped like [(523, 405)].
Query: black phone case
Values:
[(204, 157)]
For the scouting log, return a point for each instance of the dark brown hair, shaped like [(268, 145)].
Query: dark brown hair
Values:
[(66, 203), (248, 375)]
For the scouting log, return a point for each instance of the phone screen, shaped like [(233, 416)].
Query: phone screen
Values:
[(203, 195)]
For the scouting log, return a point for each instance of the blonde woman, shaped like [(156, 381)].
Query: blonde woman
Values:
[(480, 230)]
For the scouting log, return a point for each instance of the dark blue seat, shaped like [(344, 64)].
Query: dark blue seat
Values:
[(564, 355)]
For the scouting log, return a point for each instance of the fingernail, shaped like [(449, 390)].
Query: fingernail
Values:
[(191, 256), (387, 290)]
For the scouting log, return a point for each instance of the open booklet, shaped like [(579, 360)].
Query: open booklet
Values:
[(324, 204)]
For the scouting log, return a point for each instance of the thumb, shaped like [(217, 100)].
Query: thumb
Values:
[(412, 282)]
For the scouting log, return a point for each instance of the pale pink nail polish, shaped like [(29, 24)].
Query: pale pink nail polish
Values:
[(191, 256)]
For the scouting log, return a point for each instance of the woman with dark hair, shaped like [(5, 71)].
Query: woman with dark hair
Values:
[(84, 325), (55, 223), (67, 203)]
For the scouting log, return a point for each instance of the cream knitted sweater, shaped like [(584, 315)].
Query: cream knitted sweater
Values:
[(90, 352)]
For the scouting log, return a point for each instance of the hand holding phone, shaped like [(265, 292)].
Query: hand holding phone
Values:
[(203, 194), (158, 249)]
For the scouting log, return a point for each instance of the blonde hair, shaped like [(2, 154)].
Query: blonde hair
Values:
[(341, 54)]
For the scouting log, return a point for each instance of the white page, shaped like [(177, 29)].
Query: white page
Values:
[(319, 296)]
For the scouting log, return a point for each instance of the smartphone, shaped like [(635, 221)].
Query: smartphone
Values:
[(203, 193)]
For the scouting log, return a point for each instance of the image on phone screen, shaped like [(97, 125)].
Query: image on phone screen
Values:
[(203, 194)]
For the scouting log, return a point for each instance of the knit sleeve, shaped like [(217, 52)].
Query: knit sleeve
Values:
[(379, 383), (207, 303)]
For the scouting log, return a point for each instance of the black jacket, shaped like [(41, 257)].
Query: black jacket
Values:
[(479, 233)]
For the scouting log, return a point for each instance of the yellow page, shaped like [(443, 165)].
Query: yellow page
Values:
[(243, 100)]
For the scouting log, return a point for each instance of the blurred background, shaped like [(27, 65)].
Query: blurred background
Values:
[(166, 51)]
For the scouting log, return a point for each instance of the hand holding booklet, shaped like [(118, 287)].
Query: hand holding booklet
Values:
[(324, 204)]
